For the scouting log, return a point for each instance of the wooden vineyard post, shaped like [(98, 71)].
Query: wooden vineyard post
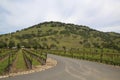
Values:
[(31, 61), (8, 70), (101, 55), (64, 48), (83, 53), (45, 57)]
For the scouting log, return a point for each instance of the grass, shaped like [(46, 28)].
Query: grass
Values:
[(3, 65), (7, 61), (34, 61), (41, 57), (20, 64)]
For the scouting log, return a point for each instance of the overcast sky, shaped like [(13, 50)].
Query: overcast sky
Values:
[(103, 15)]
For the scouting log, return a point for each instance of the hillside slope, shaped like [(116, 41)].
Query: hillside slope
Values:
[(57, 35)]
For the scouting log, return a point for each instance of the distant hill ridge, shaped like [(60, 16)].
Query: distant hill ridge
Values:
[(57, 35)]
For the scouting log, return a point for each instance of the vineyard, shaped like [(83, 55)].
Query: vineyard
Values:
[(17, 60), (102, 56)]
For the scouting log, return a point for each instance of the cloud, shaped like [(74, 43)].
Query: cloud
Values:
[(110, 29), (102, 15)]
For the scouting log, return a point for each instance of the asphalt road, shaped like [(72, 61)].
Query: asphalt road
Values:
[(73, 69)]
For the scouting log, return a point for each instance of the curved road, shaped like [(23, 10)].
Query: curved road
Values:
[(73, 69)]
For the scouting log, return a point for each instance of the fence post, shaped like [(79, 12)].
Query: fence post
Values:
[(45, 57), (101, 55), (9, 63), (83, 53), (31, 61)]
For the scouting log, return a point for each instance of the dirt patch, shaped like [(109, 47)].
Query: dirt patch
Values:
[(49, 64)]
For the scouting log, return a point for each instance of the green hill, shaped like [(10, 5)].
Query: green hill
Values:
[(57, 35)]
